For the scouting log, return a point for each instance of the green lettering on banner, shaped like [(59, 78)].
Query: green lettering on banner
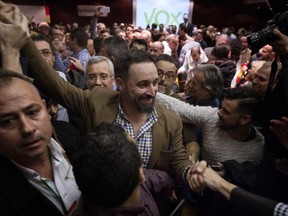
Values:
[(165, 13), (148, 21), (175, 18)]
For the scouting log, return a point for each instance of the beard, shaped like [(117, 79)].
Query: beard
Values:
[(145, 107), (224, 126)]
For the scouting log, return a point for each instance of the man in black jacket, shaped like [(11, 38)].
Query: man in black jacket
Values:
[(37, 177)]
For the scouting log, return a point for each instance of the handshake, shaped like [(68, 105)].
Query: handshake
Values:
[(202, 176)]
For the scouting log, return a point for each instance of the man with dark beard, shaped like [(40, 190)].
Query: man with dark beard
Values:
[(156, 130), (227, 132)]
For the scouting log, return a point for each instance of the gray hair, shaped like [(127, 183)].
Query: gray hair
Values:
[(171, 37), (213, 78), (98, 59)]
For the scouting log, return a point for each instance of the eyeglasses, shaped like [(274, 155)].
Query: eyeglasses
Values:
[(102, 76), (45, 53), (168, 75)]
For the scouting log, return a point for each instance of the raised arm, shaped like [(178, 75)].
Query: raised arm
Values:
[(14, 35)]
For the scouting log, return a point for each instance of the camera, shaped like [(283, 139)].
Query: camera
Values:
[(259, 39)]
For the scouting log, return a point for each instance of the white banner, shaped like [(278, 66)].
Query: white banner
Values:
[(33, 13), (167, 12), (86, 10)]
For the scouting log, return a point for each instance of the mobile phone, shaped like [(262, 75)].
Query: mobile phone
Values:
[(104, 10)]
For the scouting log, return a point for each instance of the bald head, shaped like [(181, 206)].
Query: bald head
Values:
[(221, 39), (156, 49)]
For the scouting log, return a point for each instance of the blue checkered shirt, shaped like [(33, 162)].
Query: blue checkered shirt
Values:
[(62, 65), (144, 137), (281, 209)]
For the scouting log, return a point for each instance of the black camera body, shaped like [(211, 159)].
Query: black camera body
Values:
[(257, 40)]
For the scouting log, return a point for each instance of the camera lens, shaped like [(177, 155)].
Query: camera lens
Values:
[(259, 39)]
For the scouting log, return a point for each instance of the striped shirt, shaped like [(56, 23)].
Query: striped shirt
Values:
[(144, 137)]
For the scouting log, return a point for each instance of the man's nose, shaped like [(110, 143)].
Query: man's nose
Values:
[(27, 125), (152, 89)]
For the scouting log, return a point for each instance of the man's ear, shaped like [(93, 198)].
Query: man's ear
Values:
[(245, 119), (229, 55), (141, 174), (44, 102), (112, 58), (120, 84), (45, 105)]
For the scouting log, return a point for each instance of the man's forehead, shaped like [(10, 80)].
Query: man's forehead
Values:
[(230, 104), (18, 88), (142, 68), (165, 64), (155, 48), (98, 67), (42, 43)]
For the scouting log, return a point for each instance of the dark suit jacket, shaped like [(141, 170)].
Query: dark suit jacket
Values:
[(189, 28), (101, 105), (18, 197)]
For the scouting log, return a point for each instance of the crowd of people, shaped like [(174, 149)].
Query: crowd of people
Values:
[(183, 120)]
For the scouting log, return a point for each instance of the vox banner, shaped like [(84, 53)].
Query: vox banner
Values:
[(167, 12)]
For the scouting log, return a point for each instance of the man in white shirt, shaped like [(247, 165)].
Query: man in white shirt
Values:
[(192, 60), (38, 177)]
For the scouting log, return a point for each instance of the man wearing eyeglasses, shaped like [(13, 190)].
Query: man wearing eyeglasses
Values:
[(166, 68), (44, 48), (100, 72)]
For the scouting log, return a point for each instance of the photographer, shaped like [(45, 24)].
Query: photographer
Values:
[(272, 178)]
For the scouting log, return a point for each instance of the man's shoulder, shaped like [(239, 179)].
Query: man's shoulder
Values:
[(167, 114), (17, 195), (103, 92)]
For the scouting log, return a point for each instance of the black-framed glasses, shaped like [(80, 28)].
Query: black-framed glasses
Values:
[(169, 75)]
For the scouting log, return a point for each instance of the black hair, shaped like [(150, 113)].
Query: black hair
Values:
[(115, 46), (249, 99), (128, 58), (182, 38), (97, 42), (165, 57), (235, 50), (221, 52), (40, 37), (183, 27), (106, 167), (80, 36), (156, 35), (138, 41)]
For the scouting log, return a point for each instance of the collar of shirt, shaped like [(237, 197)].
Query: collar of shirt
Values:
[(122, 120), (64, 182), (56, 152), (144, 137), (83, 53)]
